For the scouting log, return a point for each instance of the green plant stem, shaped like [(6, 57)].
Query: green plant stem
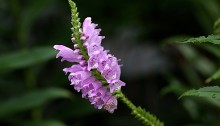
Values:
[(146, 118)]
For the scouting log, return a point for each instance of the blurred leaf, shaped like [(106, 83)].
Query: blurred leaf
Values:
[(31, 100), (215, 50), (191, 74), (192, 107), (214, 39), (78, 109), (196, 61), (173, 39), (217, 27), (215, 76), (34, 9), (174, 87), (211, 7), (206, 12), (209, 101), (31, 13), (45, 123), (207, 92), (25, 58)]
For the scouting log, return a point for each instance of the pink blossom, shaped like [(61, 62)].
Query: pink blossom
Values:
[(80, 74)]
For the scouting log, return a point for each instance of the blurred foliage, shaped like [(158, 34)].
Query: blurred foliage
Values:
[(25, 58), (215, 76), (35, 92), (26, 102)]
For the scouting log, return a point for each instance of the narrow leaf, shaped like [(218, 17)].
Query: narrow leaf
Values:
[(206, 92), (31, 100), (25, 58), (214, 39)]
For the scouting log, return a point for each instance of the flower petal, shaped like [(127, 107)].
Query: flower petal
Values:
[(111, 104), (67, 54), (74, 68), (116, 85), (113, 74)]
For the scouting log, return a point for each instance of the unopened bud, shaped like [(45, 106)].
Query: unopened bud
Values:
[(73, 39), (76, 46)]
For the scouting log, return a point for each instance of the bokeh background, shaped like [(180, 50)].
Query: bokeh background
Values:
[(34, 91)]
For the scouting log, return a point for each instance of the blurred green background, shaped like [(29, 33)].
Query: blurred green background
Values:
[(34, 91)]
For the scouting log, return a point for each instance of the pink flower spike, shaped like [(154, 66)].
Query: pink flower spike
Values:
[(81, 75)]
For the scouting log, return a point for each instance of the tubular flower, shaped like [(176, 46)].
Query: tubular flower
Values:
[(80, 73)]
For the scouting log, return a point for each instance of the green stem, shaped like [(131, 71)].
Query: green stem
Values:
[(146, 118)]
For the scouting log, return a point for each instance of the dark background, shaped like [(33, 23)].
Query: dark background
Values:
[(35, 91)]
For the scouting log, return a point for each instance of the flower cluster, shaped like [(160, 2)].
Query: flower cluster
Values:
[(81, 76)]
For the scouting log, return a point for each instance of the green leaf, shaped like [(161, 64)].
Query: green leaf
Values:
[(206, 92), (214, 39), (31, 100), (25, 58), (215, 76), (45, 123)]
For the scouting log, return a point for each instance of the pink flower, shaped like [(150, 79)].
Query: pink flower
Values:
[(80, 73), (67, 54)]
